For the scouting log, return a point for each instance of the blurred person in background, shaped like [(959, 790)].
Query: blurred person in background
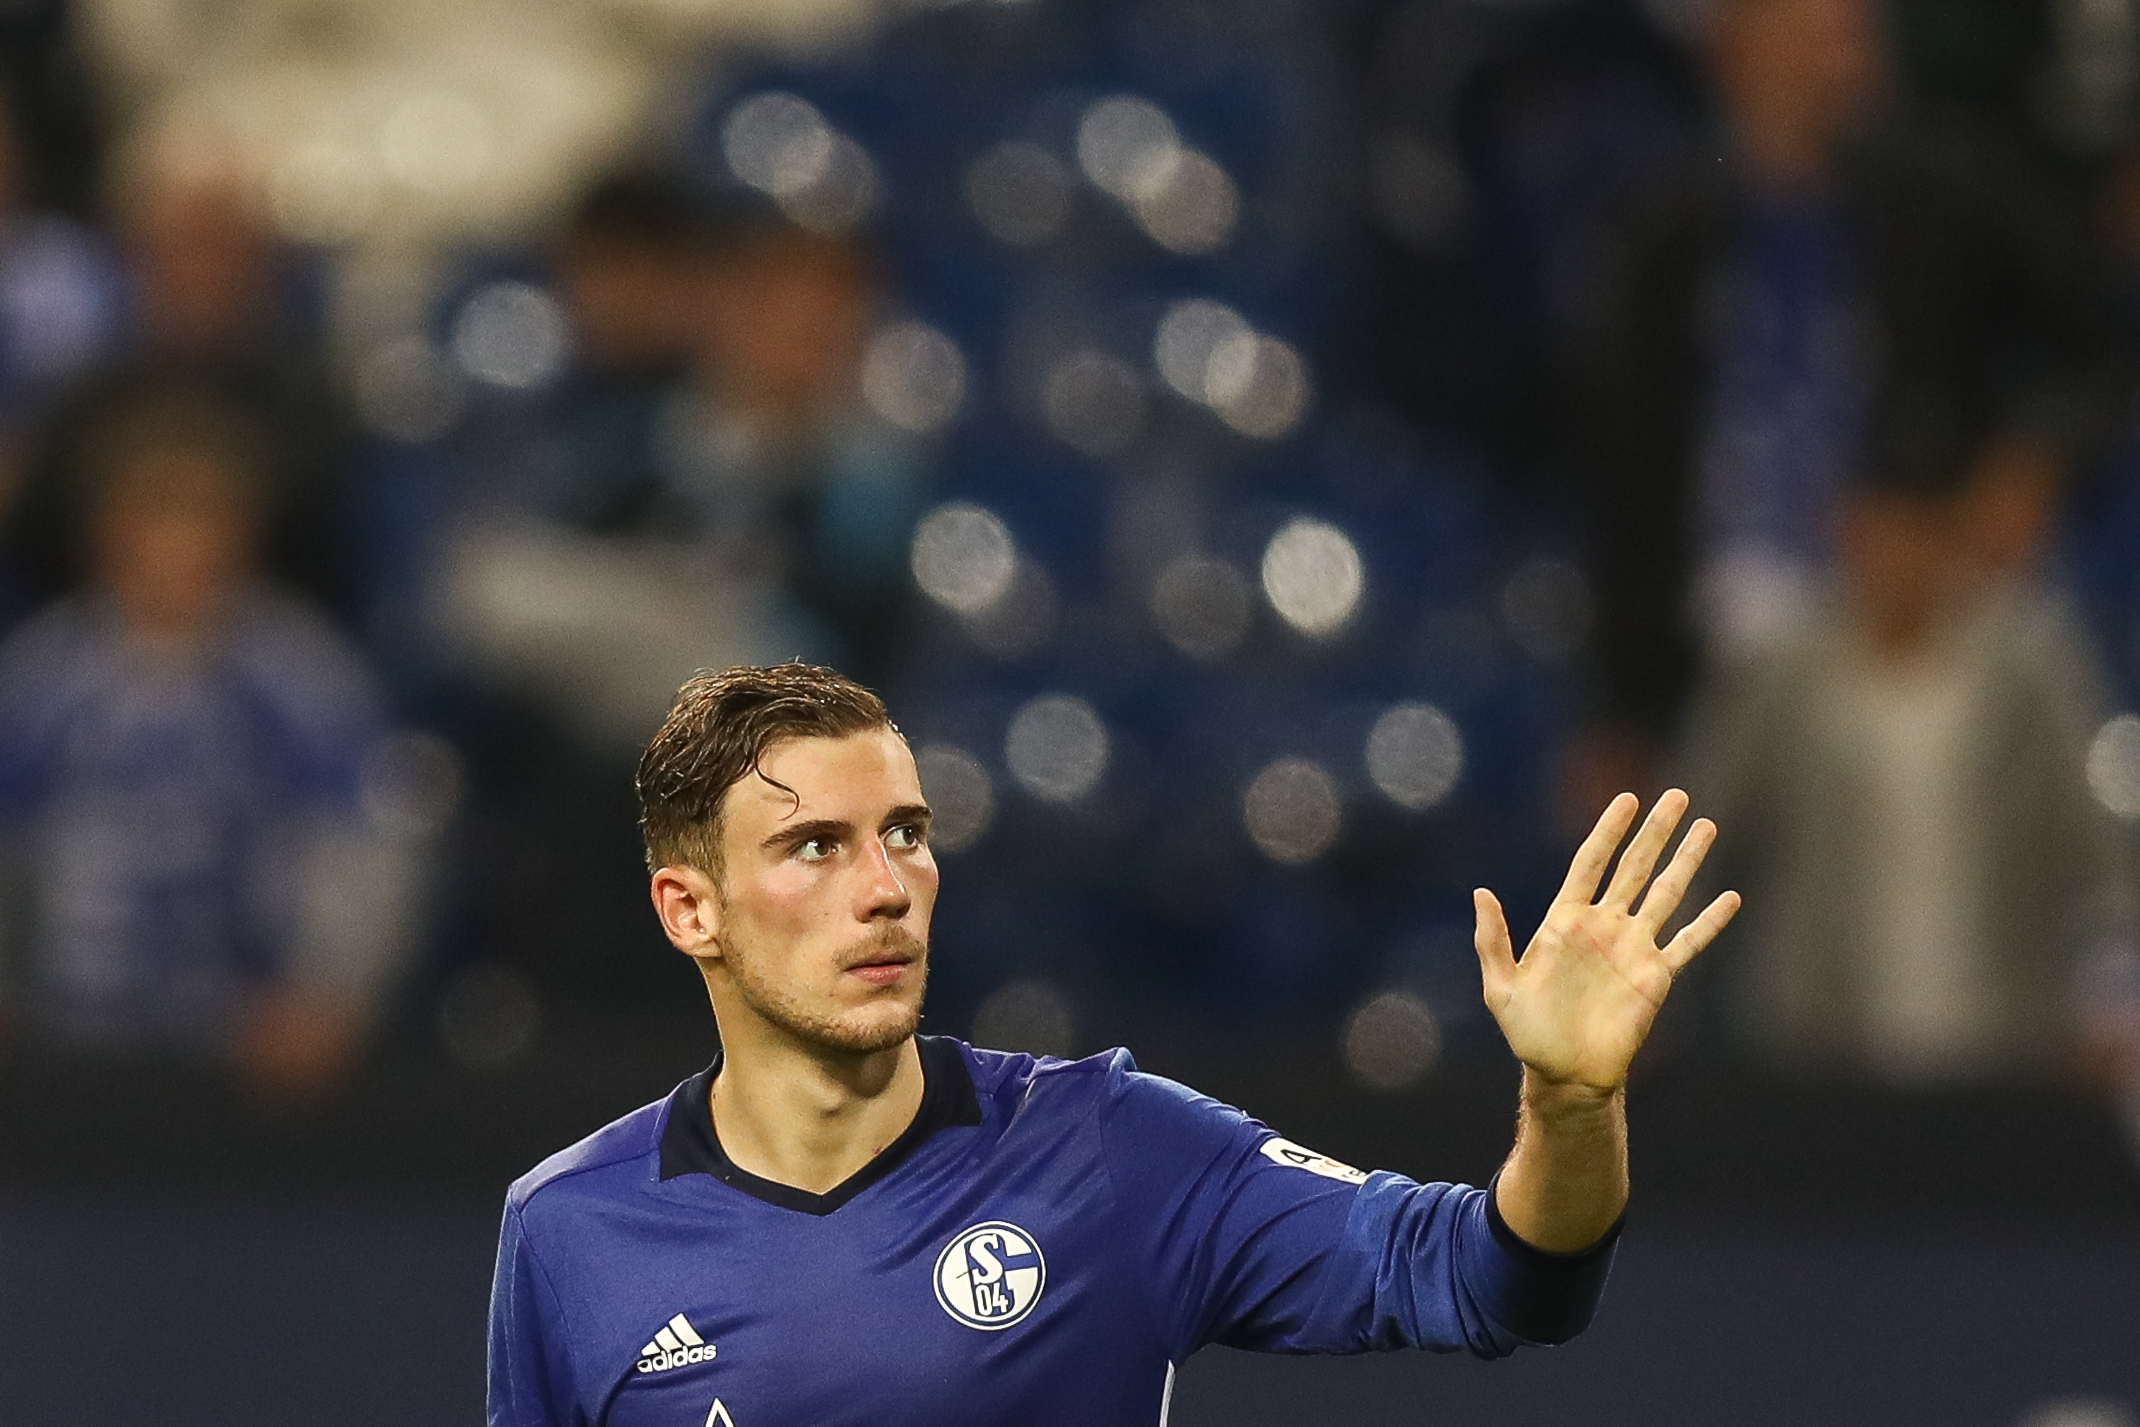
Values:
[(1831, 383), (629, 262), (751, 507), (1910, 765), (772, 455), (213, 299), (191, 863)]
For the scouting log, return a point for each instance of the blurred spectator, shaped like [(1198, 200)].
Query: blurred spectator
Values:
[(752, 508), (1903, 777), (212, 300), (1833, 287), (772, 455), (1832, 383), (190, 779), (629, 265)]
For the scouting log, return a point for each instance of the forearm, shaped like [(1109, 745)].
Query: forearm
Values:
[(1565, 1182)]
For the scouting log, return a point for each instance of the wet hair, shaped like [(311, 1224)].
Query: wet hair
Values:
[(719, 729)]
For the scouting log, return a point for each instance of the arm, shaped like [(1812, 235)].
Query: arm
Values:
[(1256, 1242), (529, 1383), (1578, 1006)]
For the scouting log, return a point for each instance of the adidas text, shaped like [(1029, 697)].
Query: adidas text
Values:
[(677, 1358)]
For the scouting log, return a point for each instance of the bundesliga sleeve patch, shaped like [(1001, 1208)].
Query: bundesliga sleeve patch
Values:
[(1279, 1150)]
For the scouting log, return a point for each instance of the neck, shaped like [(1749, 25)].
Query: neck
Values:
[(806, 1117)]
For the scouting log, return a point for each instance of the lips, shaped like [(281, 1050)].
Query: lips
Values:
[(882, 962), (881, 959)]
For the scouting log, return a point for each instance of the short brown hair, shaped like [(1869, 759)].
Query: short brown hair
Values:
[(721, 725)]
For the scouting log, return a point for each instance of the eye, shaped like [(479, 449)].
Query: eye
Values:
[(904, 837), (815, 849)]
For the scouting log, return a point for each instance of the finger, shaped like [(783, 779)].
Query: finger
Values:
[(1591, 859), (1670, 888), (1701, 931), (1640, 859), (1497, 955)]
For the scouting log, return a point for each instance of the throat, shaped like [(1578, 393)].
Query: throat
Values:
[(797, 1126)]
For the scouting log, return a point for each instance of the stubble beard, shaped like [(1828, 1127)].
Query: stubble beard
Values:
[(877, 1025)]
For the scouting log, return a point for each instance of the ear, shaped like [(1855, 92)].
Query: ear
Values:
[(689, 906)]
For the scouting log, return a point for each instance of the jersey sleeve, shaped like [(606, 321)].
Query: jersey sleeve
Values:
[(530, 1379), (1256, 1242)]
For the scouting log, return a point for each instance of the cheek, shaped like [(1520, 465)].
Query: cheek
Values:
[(922, 882)]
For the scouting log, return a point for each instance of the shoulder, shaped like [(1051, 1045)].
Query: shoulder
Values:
[(1011, 1078), (608, 1164), (61, 632), (51, 657), (1108, 1087), (301, 663)]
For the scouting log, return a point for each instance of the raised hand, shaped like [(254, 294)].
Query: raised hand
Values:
[(1579, 1004)]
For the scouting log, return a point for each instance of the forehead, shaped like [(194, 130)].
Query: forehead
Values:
[(852, 779)]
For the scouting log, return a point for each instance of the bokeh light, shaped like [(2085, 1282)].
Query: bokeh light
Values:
[(844, 194), (1186, 203), (1313, 576), (1391, 1040), (1415, 754), (962, 797), (512, 335), (1258, 385), (963, 557), (2114, 766), (1020, 192), (777, 143), (1202, 606), (1121, 140), (1056, 747), (1292, 811), (1094, 402), (1190, 334), (914, 376)]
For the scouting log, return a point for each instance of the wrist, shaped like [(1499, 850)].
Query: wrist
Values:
[(1569, 1100)]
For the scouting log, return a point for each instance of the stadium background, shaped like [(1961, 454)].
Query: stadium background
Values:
[(1245, 631)]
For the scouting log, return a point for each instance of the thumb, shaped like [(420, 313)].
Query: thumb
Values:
[(1497, 957)]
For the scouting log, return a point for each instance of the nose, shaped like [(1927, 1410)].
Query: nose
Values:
[(884, 893)]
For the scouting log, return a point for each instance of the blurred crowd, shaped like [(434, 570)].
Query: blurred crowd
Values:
[(1286, 464)]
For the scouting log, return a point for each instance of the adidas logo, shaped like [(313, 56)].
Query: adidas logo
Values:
[(677, 1345)]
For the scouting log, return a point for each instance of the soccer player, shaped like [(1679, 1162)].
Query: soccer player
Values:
[(840, 1222)]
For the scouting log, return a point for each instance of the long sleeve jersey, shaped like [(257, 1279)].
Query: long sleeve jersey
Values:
[(1044, 1244)]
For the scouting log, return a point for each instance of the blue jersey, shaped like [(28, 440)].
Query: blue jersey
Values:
[(1042, 1246)]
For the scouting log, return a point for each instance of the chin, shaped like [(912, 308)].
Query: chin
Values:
[(878, 1030)]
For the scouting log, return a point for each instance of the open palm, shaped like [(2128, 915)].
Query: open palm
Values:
[(1579, 1004)]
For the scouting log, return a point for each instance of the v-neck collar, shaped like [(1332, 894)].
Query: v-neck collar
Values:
[(690, 1146)]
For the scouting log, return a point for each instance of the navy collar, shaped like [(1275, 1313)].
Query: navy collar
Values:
[(690, 1146)]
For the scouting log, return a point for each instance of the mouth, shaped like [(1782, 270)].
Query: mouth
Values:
[(883, 965)]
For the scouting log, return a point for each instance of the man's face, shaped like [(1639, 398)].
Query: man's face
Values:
[(825, 893)]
